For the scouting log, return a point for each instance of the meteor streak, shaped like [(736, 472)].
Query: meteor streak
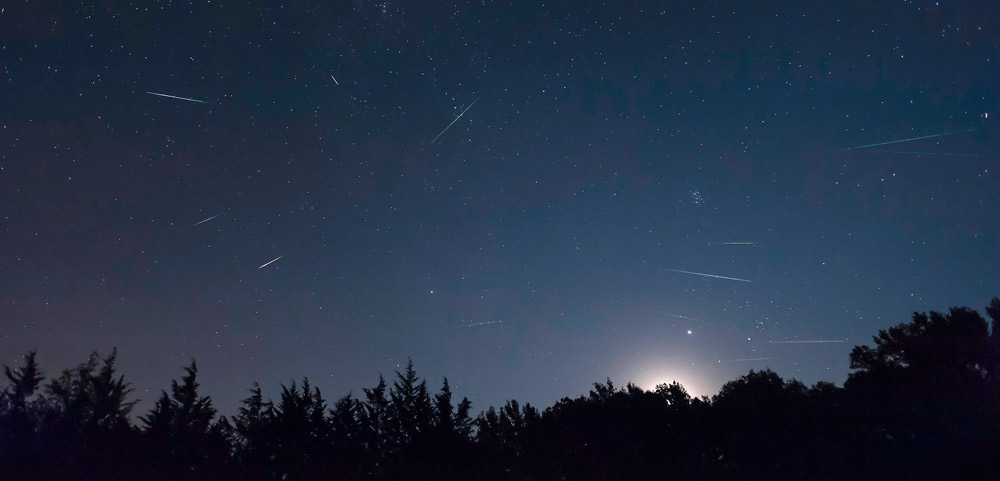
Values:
[(748, 359), (818, 341), (708, 275), (736, 243), (271, 262), (684, 317), (179, 98), (206, 220), (456, 120), (906, 140), (485, 323), (335, 82)]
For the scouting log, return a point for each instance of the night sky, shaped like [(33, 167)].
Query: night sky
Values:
[(535, 246)]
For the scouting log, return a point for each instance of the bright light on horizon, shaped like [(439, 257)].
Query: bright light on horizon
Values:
[(665, 373)]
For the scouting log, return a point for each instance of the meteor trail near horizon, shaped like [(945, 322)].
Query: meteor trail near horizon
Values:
[(179, 98), (708, 275), (819, 341), (204, 221), (271, 262), (684, 317), (906, 140), (456, 120), (748, 359)]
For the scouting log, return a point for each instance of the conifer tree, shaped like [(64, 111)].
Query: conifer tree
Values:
[(344, 419), (89, 400), (412, 412), (180, 427), (252, 439), (24, 382), (375, 418), (463, 421), (444, 410)]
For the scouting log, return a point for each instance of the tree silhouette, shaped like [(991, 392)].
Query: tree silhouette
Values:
[(919, 404), (300, 432), (759, 406), (349, 455), (410, 406), (674, 394), (928, 388), (344, 419), (84, 425), (374, 418), (957, 342), (252, 441), (24, 382), (91, 396), (462, 420), (20, 418), (181, 431), (444, 410)]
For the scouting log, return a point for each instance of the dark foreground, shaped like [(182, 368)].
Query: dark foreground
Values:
[(922, 403)]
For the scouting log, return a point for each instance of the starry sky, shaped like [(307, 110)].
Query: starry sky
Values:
[(531, 248)]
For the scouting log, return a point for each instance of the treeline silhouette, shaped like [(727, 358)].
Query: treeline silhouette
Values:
[(923, 403)]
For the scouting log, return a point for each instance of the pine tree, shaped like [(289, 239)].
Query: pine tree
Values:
[(161, 418), (24, 381), (93, 401), (463, 422), (252, 438), (375, 418), (344, 419), (412, 412), (298, 431), (180, 427), (444, 410)]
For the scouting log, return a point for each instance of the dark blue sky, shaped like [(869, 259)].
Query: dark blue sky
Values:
[(527, 252)]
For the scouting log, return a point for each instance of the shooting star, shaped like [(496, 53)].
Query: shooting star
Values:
[(271, 262), (748, 359), (818, 341), (950, 154), (684, 317), (708, 275), (456, 120), (906, 140), (485, 323), (335, 82), (180, 98), (735, 243), (204, 221)]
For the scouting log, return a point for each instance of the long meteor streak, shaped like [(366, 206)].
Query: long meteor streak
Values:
[(748, 359), (204, 221), (271, 262), (708, 275), (485, 323), (684, 317), (456, 120), (906, 140), (179, 98), (818, 341), (737, 243)]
